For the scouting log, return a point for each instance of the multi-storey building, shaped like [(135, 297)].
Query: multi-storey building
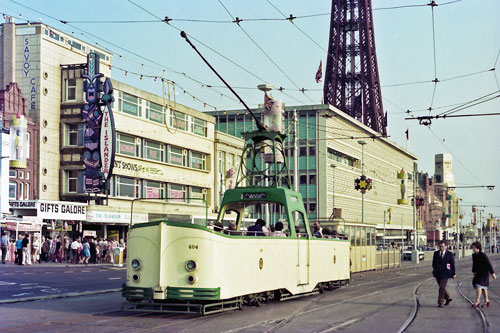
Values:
[(165, 155), (330, 158)]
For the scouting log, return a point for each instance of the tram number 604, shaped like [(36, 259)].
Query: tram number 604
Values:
[(193, 247)]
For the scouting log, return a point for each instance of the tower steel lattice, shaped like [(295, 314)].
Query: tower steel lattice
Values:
[(351, 78)]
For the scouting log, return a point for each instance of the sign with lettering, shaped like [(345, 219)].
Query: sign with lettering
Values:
[(99, 137), (254, 195), (115, 217), (52, 210), (139, 168)]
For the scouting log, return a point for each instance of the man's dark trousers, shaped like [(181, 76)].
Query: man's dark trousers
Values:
[(443, 293)]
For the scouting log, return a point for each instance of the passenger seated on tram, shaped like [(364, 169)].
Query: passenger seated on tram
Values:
[(256, 229), (327, 233), (317, 231), (231, 228), (278, 230)]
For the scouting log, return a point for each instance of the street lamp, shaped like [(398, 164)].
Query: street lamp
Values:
[(362, 143)]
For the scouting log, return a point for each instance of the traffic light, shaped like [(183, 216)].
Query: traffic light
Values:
[(461, 237), (444, 235)]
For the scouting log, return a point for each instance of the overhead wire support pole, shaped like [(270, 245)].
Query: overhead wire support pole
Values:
[(257, 120)]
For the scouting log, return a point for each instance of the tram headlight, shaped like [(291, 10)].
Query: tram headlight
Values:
[(136, 264), (191, 278), (191, 265)]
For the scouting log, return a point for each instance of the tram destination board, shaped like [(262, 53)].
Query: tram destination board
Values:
[(262, 195)]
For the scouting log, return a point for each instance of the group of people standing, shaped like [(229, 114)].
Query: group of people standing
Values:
[(77, 251), (443, 268)]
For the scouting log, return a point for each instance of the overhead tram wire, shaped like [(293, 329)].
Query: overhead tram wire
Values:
[(433, 4), (115, 45), (465, 105), (236, 20), (210, 48), (494, 69)]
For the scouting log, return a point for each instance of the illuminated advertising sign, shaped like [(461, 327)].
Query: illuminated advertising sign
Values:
[(99, 137)]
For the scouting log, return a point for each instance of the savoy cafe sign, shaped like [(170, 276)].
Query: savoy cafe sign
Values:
[(50, 210)]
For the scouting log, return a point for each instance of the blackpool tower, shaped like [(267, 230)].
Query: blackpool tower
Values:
[(351, 78)]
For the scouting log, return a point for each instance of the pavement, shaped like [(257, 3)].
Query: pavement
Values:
[(376, 301)]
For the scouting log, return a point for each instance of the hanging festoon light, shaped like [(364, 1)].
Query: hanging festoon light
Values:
[(363, 184), (402, 180)]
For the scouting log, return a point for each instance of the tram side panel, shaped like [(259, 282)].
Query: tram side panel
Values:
[(237, 265), (329, 260)]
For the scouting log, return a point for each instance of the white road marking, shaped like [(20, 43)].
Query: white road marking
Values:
[(22, 294), (7, 273), (85, 271), (116, 278), (5, 283), (347, 323), (28, 284)]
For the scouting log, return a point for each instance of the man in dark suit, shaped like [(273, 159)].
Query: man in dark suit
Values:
[(443, 268)]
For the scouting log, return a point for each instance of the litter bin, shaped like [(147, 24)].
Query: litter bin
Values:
[(118, 257)]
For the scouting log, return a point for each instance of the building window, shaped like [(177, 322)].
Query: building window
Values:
[(127, 187), (312, 179), (20, 174), (197, 160), (153, 151), (155, 112), (74, 134), (302, 151), (312, 151), (303, 180), (74, 181), (312, 207), (178, 120), (129, 104), (153, 189), (70, 89), (177, 192), (341, 158), (26, 191), (52, 34), (13, 190), (176, 156), (199, 127), (197, 193), (127, 145), (220, 159), (27, 175), (12, 174), (21, 191)]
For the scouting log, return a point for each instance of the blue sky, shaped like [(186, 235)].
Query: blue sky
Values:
[(467, 41)]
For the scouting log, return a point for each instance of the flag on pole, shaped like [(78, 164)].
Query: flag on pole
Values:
[(407, 134), (319, 73)]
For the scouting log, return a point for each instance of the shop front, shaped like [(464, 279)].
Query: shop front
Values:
[(57, 218), (109, 224)]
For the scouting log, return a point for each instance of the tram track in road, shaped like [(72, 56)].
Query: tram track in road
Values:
[(484, 321), (413, 313)]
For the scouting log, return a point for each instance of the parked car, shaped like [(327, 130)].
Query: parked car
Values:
[(407, 253)]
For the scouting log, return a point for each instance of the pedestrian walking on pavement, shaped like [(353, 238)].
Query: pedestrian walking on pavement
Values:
[(4, 242), (443, 268), (482, 268), (19, 251), (86, 251), (45, 250), (26, 250), (35, 250)]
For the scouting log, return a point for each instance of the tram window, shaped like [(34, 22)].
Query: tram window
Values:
[(373, 236), (368, 236), (363, 236), (353, 236), (358, 236), (300, 225)]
